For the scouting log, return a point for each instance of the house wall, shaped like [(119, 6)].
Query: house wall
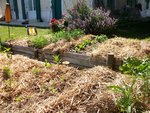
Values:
[(68, 4), (20, 10), (2, 7), (143, 4), (120, 4), (46, 10)]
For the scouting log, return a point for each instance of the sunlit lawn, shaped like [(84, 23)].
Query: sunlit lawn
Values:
[(19, 32)]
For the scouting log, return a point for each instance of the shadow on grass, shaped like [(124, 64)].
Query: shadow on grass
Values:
[(138, 30)]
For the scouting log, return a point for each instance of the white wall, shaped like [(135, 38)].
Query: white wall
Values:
[(2, 7), (20, 10), (143, 4), (46, 10), (145, 12), (68, 4)]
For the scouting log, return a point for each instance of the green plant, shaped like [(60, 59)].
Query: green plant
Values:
[(18, 99), (62, 78), (140, 69), (36, 70), (0, 44), (67, 35), (57, 59), (47, 64), (128, 98), (101, 38), (7, 51), (136, 67), (83, 45), (9, 83), (6, 72), (53, 90), (38, 42), (12, 36)]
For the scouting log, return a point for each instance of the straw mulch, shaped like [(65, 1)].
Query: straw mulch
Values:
[(64, 45), (34, 88), (122, 48)]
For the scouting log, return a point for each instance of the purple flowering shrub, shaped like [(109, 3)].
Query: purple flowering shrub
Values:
[(93, 21)]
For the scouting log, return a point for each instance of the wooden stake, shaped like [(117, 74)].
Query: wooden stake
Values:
[(110, 60)]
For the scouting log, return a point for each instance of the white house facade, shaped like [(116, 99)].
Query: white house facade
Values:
[(44, 10)]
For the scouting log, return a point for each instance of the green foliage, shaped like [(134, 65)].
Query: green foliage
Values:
[(57, 59), (136, 67), (87, 42), (0, 44), (101, 38), (68, 35), (7, 51), (36, 70), (127, 102), (6, 72), (39, 42), (83, 45), (47, 64), (9, 83), (18, 99), (139, 69)]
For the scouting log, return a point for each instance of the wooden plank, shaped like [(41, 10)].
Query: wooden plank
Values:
[(50, 57), (23, 49), (24, 54), (79, 62), (98, 62), (110, 60), (76, 55), (5, 44)]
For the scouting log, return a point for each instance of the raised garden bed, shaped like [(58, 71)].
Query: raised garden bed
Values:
[(29, 85), (110, 53), (76, 59)]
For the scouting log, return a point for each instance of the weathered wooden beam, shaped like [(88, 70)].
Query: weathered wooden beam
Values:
[(110, 60)]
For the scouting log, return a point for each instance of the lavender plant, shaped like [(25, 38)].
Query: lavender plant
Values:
[(94, 21)]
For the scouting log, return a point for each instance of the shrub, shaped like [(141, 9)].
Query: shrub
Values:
[(39, 42), (94, 21)]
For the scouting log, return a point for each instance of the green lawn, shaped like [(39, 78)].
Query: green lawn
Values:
[(19, 32)]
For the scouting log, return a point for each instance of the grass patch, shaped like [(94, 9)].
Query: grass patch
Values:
[(19, 32)]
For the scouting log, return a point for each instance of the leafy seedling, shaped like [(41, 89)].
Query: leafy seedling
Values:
[(6, 73), (57, 59), (127, 102), (36, 71), (47, 64)]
